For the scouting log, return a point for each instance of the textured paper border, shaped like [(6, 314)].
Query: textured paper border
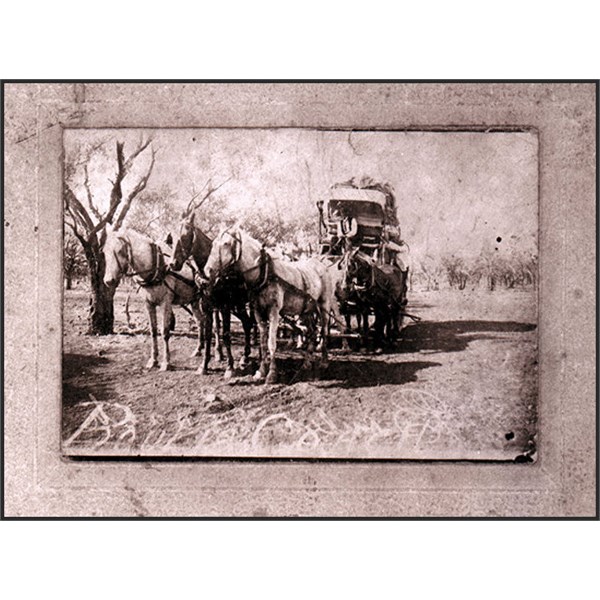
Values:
[(38, 482)]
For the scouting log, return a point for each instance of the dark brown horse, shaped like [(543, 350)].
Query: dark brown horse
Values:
[(380, 289), (227, 295)]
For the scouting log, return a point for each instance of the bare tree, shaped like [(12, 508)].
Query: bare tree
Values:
[(457, 271), (88, 223), (74, 263)]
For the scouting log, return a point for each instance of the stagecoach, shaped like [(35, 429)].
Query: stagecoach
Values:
[(368, 209), (358, 225)]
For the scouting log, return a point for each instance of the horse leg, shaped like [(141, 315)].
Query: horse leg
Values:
[(272, 344), (199, 317), (165, 365), (335, 309), (348, 319), (226, 315), (381, 319), (396, 321), (363, 319), (218, 338), (324, 317), (347, 330), (208, 327), (247, 326), (153, 360), (311, 340), (261, 322)]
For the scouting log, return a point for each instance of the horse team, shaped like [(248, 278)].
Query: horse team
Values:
[(234, 273)]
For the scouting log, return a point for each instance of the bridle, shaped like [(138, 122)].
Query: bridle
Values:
[(236, 252), (157, 270), (187, 252), (351, 275)]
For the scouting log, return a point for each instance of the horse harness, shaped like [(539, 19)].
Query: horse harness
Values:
[(146, 277), (267, 274), (157, 273)]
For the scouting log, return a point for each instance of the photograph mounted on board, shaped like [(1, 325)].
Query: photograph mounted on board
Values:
[(300, 293)]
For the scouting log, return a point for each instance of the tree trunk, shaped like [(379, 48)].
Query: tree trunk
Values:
[(101, 315)]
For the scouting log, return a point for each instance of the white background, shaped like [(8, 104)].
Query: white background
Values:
[(377, 39)]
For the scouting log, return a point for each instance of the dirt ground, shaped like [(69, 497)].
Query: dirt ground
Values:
[(462, 384)]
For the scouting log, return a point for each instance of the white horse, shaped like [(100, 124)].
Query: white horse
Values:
[(276, 287), (128, 253)]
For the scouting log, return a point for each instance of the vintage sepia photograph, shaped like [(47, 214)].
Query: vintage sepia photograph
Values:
[(300, 292), (300, 299), (327, 332)]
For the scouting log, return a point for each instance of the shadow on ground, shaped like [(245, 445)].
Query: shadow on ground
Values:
[(348, 374), (454, 336), (75, 366)]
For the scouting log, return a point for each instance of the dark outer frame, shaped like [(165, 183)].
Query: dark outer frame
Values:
[(38, 482)]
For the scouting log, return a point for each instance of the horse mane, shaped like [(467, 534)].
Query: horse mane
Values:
[(246, 237), (134, 235), (199, 230), (131, 236), (236, 230)]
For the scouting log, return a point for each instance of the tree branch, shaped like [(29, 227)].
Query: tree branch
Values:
[(141, 185), (77, 234), (116, 194), (191, 208), (77, 209), (88, 191), (141, 147)]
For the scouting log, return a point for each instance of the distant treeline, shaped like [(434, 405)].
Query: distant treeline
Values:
[(489, 270)]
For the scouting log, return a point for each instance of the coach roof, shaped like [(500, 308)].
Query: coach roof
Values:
[(357, 195)]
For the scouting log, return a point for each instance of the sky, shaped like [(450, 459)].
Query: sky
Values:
[(456, 192)]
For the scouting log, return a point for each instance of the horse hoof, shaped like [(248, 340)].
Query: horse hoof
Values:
[(271, 378), (257, 376), (165, 367), (151, 364), (228, 374)]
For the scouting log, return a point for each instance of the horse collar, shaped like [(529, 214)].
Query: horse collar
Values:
[(147, 277)]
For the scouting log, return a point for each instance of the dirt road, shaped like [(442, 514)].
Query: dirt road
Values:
[(462, 384)]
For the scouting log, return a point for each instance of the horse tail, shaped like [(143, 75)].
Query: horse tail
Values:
[(172, 322)]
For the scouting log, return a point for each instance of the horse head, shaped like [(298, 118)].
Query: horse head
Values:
[(359, 270), (225, 253), (117, 258), (183, 244)]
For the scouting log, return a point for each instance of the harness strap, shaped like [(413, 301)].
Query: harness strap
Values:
[(267, 274), (185, 280), (157, 271)]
